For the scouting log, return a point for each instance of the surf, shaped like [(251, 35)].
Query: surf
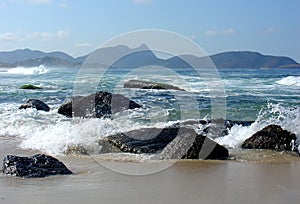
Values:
[(28, 71), (289, 81)]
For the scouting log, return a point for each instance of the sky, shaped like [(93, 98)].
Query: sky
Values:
[(79, 26)]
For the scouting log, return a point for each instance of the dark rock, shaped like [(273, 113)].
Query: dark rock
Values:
[(107, 146), (77, 149), (29, 86), (149, 85), (170, 142), (230, 123), (213, 127), (97, 105), (66, 109), (35, 103), (193, 146), (39, 165), (270, 137)]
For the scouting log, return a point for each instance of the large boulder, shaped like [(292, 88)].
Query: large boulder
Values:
[(35, 103), (39, 165), (170, 143), (149, 85), (271, 137), (97, 105)]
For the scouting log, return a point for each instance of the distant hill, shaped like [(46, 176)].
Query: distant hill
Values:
[(20, 55), (47, 61), (142, 56), (246, 59)]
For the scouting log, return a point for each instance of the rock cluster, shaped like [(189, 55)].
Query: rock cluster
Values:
[(170, 142)]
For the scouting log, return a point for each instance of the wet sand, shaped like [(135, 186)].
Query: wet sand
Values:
[(276, 181)]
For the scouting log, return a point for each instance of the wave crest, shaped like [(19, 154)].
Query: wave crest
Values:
[(289, 81), (28, 71), (286, 117)]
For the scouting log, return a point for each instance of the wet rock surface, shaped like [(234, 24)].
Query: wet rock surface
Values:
[(170, 143), (97, 105), (35, 103), (30, 86), (39, 165), (271, 137), (149, 85)]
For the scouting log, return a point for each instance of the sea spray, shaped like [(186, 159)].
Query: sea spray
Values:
[(54, 134), (28, 71), (290, 81), (286, 117)]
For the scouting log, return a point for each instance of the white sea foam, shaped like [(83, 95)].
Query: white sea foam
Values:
[(52, 133), (287, 118), (289, 81), (28, 71)]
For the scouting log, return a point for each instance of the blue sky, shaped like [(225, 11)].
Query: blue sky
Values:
[(79, 26)]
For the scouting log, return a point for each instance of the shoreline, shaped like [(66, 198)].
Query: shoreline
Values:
[(191, 181)]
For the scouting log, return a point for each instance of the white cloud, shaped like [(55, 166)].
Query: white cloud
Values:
[(83, 45), (63, 5), (8, 36), (142, 1), (270, 30), (41, 36), (229, 31), (211, 32), (45, 36), (62, 34)]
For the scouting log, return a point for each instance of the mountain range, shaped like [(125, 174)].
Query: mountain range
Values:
[(142, 56)]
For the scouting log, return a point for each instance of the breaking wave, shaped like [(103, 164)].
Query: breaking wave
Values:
[(288, 118), (28, 71), (54, 134), (289, 81)]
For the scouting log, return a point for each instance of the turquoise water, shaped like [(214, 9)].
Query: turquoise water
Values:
[(247, 91), (268, 95)]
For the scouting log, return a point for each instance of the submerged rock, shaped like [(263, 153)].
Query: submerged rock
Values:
[(35, 103), (271, 137), (170, 142), (77, 149), (97, 105), (30, 86), (39, 165), (149, 85)]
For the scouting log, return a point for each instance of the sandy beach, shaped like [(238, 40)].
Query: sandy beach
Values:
[(273, 181)]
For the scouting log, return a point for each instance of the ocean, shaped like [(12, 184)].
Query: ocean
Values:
[(265, 96)]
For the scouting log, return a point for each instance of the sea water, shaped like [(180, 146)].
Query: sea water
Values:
[(266, 96)]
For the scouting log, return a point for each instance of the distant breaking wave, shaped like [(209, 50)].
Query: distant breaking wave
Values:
[(28, 71), (289, 81)]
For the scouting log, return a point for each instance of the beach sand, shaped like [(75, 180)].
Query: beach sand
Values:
[(269, 181)]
